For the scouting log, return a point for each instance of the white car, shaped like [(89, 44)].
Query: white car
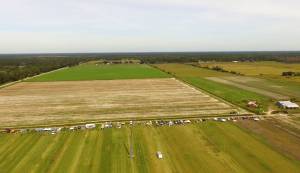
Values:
[(159, 155)]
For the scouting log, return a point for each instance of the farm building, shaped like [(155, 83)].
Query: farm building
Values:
[(287, 105)]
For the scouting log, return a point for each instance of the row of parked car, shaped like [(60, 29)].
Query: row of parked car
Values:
[(118, 125)]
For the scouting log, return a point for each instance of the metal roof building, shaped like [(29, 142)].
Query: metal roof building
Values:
[(287, 104)]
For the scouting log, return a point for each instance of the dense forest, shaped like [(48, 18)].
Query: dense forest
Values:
[(19, 66), (288, 57), (14, 68)]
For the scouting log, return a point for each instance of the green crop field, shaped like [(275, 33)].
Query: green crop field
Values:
[(211, 147), (101, 72), (198, 77)]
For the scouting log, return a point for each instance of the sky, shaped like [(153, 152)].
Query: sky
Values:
[(78, 26)]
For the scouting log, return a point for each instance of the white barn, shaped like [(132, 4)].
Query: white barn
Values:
[(287, 105)]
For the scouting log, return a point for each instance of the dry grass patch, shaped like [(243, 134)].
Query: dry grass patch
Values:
[(52, 102)]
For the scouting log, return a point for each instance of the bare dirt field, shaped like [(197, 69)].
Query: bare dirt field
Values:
[(31, 103)]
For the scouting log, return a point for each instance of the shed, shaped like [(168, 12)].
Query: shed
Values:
[(287, 105)]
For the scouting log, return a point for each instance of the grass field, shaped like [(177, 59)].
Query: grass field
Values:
[(101, 72), (76, 101), (269, 70), (211, 147), (256, 68), (84, 93), (263, 78), (281, 135), (199, 77)]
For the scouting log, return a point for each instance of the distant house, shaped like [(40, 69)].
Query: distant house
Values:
[(287, 105), (252, 104)]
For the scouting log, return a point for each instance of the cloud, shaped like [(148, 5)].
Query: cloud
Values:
[(120, 25)]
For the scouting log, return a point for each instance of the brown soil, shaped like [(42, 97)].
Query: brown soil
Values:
[(52, 102)]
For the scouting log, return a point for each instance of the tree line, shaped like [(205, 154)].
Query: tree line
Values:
[(13, 69), (19, 66)]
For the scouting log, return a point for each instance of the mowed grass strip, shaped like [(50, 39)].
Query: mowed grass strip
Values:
[(13, 155), (251, 153), (90, 155), (207, 147), (28, 162), (276, 134), (115, 151), (101, 72)]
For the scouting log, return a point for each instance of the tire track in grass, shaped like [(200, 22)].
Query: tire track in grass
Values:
[(96, 160), (141, 153), (44, 156), (33, 155), (59, 152), (4, 139), (19, 153), (278, 162), (151, 138), (270, 159), (10, 142), (246, 149), (13, 147), (123, 162), (78, 152), (106, 151), (188, 153), (48, 157), (87, 154), (164, 165), (168, 150), (127, 143), (71, 153), (14, 143), (223, 157), (115, 151), (219, 138)]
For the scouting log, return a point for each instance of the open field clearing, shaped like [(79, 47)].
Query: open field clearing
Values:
[(263, 78), (31, 103), (211, 147), (101, 72), (269, 73), (198, 78), (282, 136), (226, 80), (287, 88), (256, 68), (275, 89)]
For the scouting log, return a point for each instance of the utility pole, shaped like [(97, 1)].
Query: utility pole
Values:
[(131, 155)]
